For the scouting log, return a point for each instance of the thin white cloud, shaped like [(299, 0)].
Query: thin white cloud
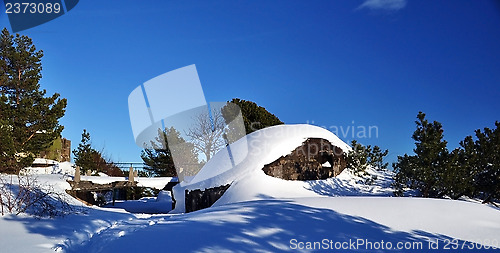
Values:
[(388, 5)]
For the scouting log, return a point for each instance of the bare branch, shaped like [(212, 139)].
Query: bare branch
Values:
[(207, 134)]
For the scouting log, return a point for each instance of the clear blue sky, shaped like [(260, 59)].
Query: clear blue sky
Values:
[(331, 62)]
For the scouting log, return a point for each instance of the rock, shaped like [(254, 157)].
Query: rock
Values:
[(198, 199), (306, 162)]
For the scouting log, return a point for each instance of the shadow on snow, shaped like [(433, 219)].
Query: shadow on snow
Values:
[(255, 226)]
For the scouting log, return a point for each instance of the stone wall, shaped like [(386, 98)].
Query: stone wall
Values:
[(60, 151), (315, 159), (198, 199)]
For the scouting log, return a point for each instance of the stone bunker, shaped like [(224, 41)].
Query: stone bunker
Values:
[(315, 159)]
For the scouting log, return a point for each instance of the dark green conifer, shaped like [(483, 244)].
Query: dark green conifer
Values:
[(29, 121), (159, 159), (424, 171), (254, 117)]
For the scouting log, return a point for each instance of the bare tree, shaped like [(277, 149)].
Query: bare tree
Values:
[(207, 133), (24, 194)]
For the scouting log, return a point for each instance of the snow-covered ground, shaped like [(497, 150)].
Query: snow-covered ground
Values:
[(67, 169), (259, 213)]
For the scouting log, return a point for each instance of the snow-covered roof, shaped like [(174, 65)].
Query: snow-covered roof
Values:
[(43, 161), (258, 148)]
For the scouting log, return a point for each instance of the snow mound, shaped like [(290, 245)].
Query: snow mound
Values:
[(43, 166), (247, 178)]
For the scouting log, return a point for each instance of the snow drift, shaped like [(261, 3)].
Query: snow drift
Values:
[(260, 147)]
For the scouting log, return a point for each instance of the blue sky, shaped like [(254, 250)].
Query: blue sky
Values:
[(374, 63)]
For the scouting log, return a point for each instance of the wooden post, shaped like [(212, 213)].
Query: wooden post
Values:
[(131, 174), (77, 174)]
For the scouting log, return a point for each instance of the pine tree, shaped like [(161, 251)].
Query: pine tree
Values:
[(29, 121), (457, 179), (160, 160), (360, 157), (376, 158), (357, 157), (424, 171), (90, 159), (254, 117), (85, 154), (487, 162)]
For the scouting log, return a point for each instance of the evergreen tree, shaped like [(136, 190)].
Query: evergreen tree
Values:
[(376, 158), (425, 170), (89, 159), (29, 121), (361, 157), (357, 157), (85, 154), (485, 156), (160, 161), (254, 117), (457, 179)]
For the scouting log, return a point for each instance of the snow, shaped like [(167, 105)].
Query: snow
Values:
[(51, 167), (260, 147), (68, 169), (152, 182), (259, 213), (44, 161), (148, 205), (10, 241)]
